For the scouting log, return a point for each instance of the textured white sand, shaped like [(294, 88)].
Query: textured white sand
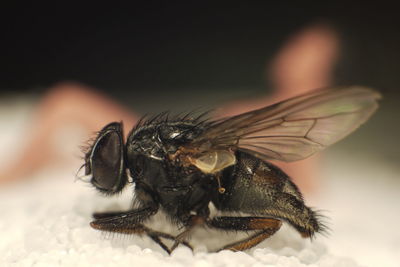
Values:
[(45, 222)]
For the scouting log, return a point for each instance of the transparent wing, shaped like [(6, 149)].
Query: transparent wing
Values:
[(293, 129)]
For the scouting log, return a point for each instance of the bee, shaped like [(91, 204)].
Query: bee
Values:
[(181, 165)]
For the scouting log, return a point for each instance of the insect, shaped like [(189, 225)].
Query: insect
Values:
[(180, 165)]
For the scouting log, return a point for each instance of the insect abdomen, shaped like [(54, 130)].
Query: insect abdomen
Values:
[(261, 188)]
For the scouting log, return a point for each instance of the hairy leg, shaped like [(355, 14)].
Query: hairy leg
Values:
[(266, 226), (129, 222)]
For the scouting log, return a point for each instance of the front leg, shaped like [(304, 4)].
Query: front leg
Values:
[(129, 222), (108, 220)]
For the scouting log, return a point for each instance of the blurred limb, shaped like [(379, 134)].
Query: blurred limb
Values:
[(306, 62), (65, 105)]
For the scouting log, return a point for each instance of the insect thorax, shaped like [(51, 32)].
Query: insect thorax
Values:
[(157, 140), (148, 152)]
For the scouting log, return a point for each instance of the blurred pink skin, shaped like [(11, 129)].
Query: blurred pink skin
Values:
[(303, 64), (65, 104)]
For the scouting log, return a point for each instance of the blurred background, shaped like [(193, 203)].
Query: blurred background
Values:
[(148, 51), (155, 56)]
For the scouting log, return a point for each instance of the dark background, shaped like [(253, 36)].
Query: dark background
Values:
[(168, 46)]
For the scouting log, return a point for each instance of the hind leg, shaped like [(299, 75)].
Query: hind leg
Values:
[(266, 226)]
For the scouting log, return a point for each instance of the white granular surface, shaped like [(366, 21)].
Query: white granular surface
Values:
[(45, 222)]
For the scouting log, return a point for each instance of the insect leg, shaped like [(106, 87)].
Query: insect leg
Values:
[(130, 223), (267, 227), (193, 221), (123, 217), (99, 215), (155, 235)]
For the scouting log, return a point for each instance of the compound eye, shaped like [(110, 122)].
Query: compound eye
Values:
[(106, 160)]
